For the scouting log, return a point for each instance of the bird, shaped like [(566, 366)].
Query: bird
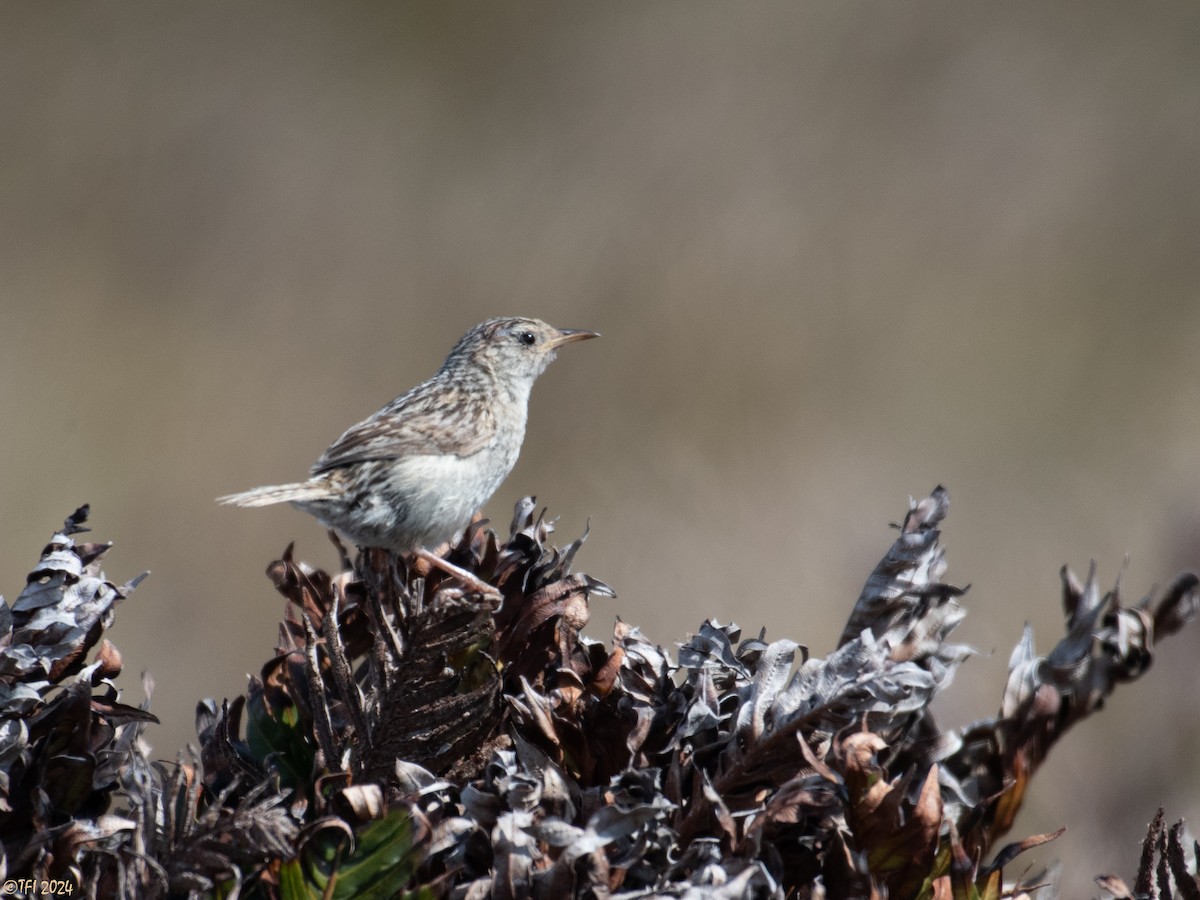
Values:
[(411, 476)]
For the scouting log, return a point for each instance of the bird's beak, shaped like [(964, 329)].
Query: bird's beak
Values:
[(571, 335)]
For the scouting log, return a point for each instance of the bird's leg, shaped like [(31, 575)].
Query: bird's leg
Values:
[(471, 581)]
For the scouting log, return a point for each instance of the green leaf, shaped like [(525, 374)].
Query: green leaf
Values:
[(941, 865), (382, 863), (292, 884), (277, 740)]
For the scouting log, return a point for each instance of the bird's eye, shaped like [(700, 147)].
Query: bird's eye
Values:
[(528, 338)]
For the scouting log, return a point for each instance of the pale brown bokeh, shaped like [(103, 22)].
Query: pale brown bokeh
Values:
[(839, 254)]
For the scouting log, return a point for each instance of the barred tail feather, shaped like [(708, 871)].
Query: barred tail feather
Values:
[(277, 493)]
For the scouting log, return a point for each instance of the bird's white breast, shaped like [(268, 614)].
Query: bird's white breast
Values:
[(439, 493)]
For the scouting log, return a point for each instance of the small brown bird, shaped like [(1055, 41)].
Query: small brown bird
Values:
[(413, 474)]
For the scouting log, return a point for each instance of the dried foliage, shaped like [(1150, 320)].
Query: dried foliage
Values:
[(409, 738), (64, 737), (1163, 872)]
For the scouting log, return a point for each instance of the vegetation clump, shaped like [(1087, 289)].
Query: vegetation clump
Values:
[(410, 739)]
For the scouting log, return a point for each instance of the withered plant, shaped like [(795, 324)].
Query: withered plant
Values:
[(407, 739)]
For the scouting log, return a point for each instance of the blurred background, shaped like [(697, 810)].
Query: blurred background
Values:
[(839, 254)]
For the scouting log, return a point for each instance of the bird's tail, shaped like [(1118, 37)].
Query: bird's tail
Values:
[(277, 493)]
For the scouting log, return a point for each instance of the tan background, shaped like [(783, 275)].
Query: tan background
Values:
[(839, 254)]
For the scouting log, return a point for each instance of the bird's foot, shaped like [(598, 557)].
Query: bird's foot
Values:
[(472, 582)]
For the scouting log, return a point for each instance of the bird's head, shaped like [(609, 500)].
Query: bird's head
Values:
[(517, 350)]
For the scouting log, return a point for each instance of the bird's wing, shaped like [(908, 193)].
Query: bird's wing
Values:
[(421, 422)]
